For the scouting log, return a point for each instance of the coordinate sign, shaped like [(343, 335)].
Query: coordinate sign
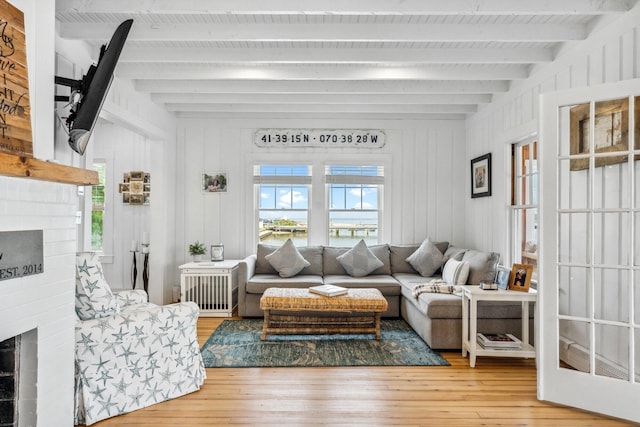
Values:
[(342, 138)]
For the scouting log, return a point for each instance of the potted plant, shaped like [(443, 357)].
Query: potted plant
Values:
[(196, 250)]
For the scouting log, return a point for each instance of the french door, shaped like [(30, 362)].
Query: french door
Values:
[(589, 287)]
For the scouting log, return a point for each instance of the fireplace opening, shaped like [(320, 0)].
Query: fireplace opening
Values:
[(18, 380)]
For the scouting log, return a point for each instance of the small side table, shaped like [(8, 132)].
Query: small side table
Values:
[(470, 296), (213, 285)]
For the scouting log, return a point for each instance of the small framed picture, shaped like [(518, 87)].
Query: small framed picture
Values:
[(136, 199), (136, 187), (123, 188), (502, 277), (520, 277), (480, 176), (214, 182), (136, 176), (217, 252), (126, 197)]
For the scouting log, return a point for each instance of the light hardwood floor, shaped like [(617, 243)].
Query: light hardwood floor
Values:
[(497, 392)]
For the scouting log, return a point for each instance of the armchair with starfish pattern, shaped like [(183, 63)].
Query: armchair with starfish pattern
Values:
[(129, 353)]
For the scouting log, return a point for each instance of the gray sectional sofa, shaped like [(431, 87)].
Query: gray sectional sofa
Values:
[(436, 317)]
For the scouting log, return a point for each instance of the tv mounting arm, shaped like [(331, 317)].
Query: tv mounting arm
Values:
[(75, 85)]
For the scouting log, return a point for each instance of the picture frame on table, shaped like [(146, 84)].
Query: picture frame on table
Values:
[(520, 277), (481, 176), (502, 277), (217, 252)]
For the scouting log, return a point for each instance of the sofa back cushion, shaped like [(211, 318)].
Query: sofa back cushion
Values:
[(399, 253), (331, 265), (287, 260), (94, 298), (483, 266), (427, 259), (313, 254)]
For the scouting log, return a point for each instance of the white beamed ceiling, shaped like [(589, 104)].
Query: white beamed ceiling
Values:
[(332, 58)]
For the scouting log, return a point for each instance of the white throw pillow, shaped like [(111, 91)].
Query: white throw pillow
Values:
[(287, 260), (455, 272), (359, 261), (427, 259)]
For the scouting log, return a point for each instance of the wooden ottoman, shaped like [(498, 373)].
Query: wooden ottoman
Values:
[(308, 313)]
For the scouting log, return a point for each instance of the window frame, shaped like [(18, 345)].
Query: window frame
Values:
[(355, 180), (524, 199), (281, 181)]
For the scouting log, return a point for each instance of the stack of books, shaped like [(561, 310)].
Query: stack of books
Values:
[(499, 341), (328, 290)]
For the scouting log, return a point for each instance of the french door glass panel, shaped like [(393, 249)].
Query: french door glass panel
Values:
[(590, 249)]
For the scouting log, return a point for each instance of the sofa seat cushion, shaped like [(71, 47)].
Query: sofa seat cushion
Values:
[(386, 284), (261, 282), (449, 306)]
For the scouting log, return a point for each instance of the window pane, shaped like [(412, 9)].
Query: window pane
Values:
[(611, 287), (612, 351), (527, 224), (96, 230), (353, 203), (573, 284), (348, 228), (337, 196), (573, 233), (283, 203), (575, 344), (97, 209), (611, 237), (267, 196), (278, 226)]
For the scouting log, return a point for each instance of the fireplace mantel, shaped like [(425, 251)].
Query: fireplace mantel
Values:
[(29, 167)]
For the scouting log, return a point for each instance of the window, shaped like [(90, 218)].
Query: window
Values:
[(354, 194), (97, 208), (524, 202), (283, 203)]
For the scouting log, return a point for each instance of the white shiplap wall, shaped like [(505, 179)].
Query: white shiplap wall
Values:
[(424, 178), (611, 53)]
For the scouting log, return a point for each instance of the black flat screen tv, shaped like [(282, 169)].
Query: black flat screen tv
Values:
[(89, 93)]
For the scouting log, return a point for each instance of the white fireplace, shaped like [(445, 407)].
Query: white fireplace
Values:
[(41, 307)]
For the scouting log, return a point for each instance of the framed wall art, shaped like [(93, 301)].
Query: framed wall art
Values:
[(135, 188), (481, 176), (214, 182), (610, 132)]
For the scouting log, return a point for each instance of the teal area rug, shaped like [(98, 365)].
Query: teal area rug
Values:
[(236, 343)]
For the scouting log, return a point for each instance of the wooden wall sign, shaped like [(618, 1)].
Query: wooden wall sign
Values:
[(15, 114)]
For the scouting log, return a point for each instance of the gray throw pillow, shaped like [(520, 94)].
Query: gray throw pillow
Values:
[(453, 252), (359, 261), (287, 260), (482, 266), (427, 259)]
